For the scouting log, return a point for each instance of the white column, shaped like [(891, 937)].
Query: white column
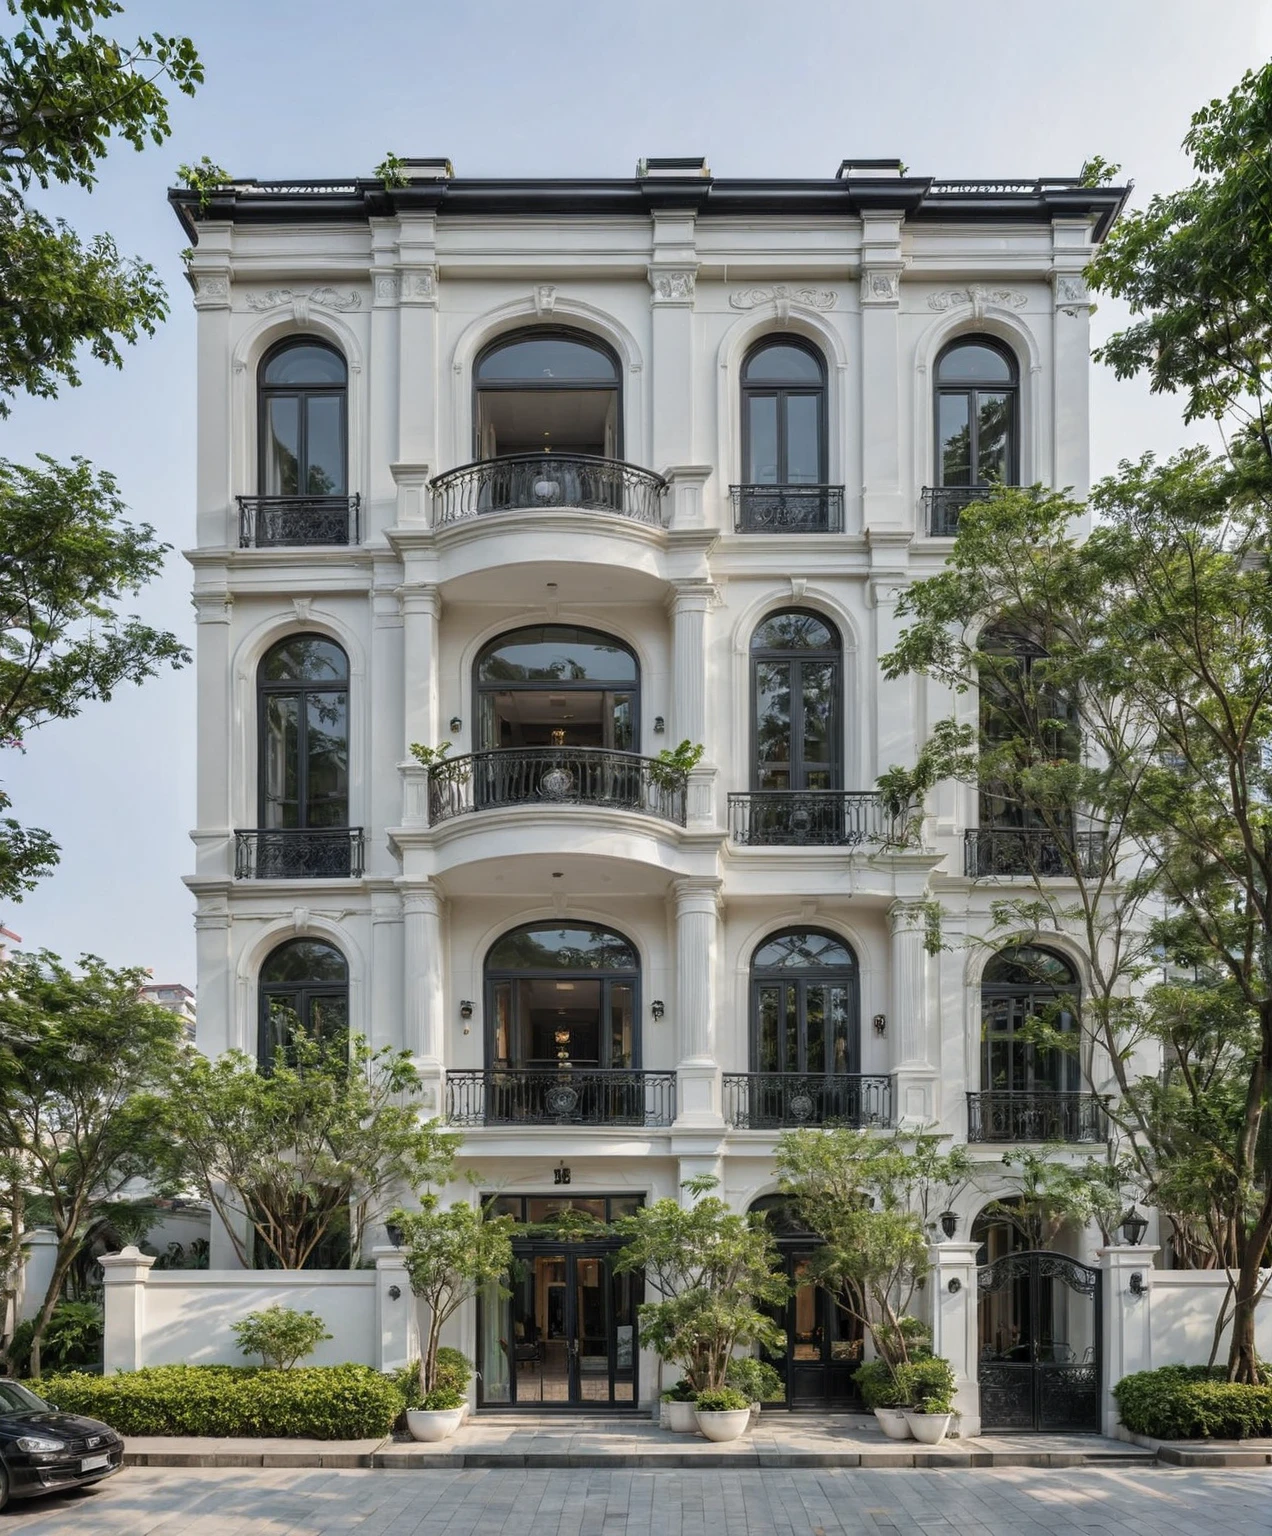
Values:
[(217, 732), (955, 1335), (384, 805), (908, 1019), (217, 1028), (882, 264), (220, 472), (688, 504), (397, 1323), (124, 1303), (423, 992), (417, 339), (1127, 1317), (697, 945), (1070, 444), (690, 603), (673, 274), (421, 615)]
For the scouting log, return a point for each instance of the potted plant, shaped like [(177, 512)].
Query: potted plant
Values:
[(723, 1413), (679, 1401), (451, 1252), (673, 765), (884, 1396), (928, 1384), (929, 1420), (757, 1380)]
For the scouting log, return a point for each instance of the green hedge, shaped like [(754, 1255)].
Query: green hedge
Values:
[(1192, 1402), (333, 1402)]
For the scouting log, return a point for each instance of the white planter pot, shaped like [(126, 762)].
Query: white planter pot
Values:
[(892, 1422), (929, 1428), (433, 1423), (682, 1418), (724, 1426)]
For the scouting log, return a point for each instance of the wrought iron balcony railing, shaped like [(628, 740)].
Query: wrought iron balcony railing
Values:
[(483, 781), (788, 508), (1004, 851), (298, 853), (767, 1101), (525, 482), (943, 503), (1043, 1115), (827, 818), (267, 522), (560, 1096)]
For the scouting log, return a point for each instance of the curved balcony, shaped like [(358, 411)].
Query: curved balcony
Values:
[(808, 818), (771, 1101), (534, 482), (554, 776)]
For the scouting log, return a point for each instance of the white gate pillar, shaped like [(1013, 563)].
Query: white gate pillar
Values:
[(124, 1306), (955, 1335), (1127, 1309)]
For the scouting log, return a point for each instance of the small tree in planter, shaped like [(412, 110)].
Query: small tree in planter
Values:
[(451, 1252), (714, 1271), (280, 1335)]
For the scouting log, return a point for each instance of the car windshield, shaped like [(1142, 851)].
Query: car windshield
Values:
[(16, 1399)]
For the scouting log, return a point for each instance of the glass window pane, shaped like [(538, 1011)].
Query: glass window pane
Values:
[(622, 1007), (282, 1019), (305, 363), (790, 1030), (282, 446), (555, 948), (305, 658), (819, 689), (803, 440), (328, 1017), (993, 438), (954, 439), (304, 960), (547, 359), (327, 741), (556, 653), (623, 718), (768, 1030), (794, 631), (815, 1029), (496, 1331), (324, 448), (773, 720), (973, 362), (762, 439), (1025, 965), (280, 762), (503, 1020), (800, 950), (781, 363)]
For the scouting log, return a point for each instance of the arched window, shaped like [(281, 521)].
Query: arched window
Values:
[(304, 985), (548, 391), (977, 414), (303, 712), (783, 414), (303, 431), (562, 995), (797, 687), (1023, 988), (804, 1005), (557, 685)]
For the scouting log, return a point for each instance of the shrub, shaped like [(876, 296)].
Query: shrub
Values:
[(681, 1392), (441, 1399), (454, 1370), (722, 1400), (333, 1402), (923, 1382), (757, 1379), (879, 1387), (1192, 1402), (72, 1341), (280, 1335)]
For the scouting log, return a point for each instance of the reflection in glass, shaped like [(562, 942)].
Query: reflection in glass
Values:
[(304, 735), (304, 984), (796, 703), (783, 415), (303, 448), (1025, 990), (804, 1004), (975, 415)]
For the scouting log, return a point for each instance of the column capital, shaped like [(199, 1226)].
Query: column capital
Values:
[(692, 595), (698, 893), (423, 897), (908, 917), (423, 597)]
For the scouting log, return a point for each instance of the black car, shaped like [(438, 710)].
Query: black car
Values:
[(42, 1450)]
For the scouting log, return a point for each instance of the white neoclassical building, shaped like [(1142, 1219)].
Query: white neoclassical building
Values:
[(565, 473)]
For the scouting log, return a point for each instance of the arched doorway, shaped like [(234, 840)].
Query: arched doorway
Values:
[(823, 1343)]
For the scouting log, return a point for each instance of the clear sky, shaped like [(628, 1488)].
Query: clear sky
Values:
[(551, 88)]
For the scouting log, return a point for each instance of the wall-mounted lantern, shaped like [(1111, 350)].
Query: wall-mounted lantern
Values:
[(656, 1008)]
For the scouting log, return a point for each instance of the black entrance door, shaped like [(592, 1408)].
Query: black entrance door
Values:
[(566, 1335), (1039, 1316)]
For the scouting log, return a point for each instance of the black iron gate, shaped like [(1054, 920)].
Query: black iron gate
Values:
[(1039, 1321)]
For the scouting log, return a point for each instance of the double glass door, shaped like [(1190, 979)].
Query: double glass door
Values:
[(566, 1335)]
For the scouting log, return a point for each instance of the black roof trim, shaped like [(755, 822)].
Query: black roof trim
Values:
[(916, 197)]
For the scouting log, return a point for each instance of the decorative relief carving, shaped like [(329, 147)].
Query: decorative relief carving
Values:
[(544, 299), (420, 285), (326, 298), (386, 289), (881, 287), (673, 287), (979, 297), (782, 294), (1072, 296), (212, 292)]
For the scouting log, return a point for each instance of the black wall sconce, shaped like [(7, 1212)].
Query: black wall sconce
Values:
[(456, 724), (395, 1293), (1134, 1227), (660, 725), (955, 1286), (880, 1023), (657, 1009), (465, 1008), (394, 1232), (949, 1223), (1137, 1282)]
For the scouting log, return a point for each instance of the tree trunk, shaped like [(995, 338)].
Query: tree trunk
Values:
[(1243, 1357), (66, 1252)]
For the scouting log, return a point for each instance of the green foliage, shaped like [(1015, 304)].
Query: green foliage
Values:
[(431, 757), (1049, 1195), (453, 1369), (673, 764), (1193, 1402), (69, 560), (392, 171), (203, 177), (927, 1384), (451, 1253), (280, 1335), (879, 1385), (722, 1400), (716, 1272), (442, 1399), (757, 1379), (1098, 172), (82, 1059), (334, 1402), (681, 1392), (326, 1137)]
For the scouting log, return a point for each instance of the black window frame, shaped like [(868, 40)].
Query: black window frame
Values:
[(305, 992), (493, 976), (795, 655), (801, 977), (973, 388), (265, 688), (1068, 1067), (267, 392), (547, 332), (751, 388)]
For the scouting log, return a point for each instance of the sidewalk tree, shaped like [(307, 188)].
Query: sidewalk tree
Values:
[(67, 557), (320, 1145), (82, 1060)]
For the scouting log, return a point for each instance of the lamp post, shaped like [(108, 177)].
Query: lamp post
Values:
[(1134, 1227)]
